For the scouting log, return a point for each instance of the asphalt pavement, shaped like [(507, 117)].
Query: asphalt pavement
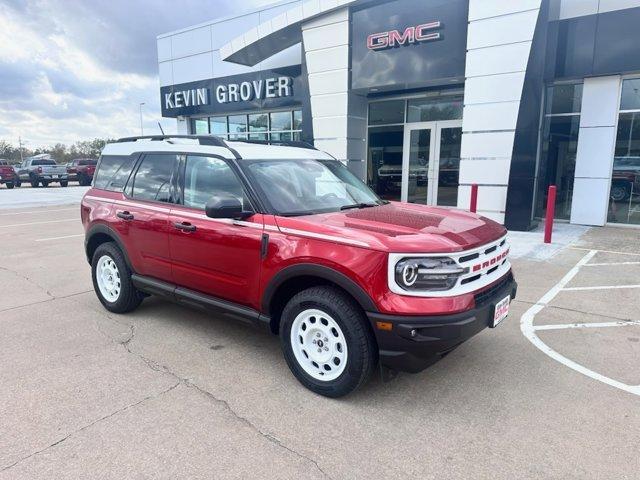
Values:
[(168, 392)]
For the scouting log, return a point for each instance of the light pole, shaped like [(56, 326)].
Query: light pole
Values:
[(141, 127)]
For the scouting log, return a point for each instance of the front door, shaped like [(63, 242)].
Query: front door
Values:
[(218, 257), (431, 162)]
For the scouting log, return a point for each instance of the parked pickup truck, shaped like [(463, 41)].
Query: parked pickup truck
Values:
[(81, 170), (8, 174), (42, 170)]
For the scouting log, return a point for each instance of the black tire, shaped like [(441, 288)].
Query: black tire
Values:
[(83, 181), (129, 298), (361, 346), (45, 183), (18, 184), (9, 185), (64, 183), (34, 183)]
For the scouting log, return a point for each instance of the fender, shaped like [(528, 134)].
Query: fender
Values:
[(106, 230), (320, 271)]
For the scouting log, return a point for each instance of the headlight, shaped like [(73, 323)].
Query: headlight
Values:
[(427, 274)]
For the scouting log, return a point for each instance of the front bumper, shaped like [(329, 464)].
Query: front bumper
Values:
[(436, 335)]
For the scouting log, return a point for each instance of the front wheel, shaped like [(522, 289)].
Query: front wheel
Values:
[(327, 342), (112, 280)]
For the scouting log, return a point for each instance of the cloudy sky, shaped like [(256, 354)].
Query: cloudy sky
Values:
[(78, 69)]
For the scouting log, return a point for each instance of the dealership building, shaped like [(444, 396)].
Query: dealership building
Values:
[(423, 98)]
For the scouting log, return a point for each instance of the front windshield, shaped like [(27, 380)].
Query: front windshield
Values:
[(303, 187)]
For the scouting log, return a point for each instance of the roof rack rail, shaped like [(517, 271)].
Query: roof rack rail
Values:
[(282, 143), (210, 140)]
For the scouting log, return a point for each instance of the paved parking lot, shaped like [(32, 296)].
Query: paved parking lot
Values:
[(168, 392)]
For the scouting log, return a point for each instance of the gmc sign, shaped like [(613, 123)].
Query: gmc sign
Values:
[(410, 35)]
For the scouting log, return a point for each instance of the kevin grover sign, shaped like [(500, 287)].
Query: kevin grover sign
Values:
[(274, 87)]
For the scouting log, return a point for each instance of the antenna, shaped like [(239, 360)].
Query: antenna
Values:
[(160, 127)]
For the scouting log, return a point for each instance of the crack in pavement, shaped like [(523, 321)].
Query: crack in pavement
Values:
[(89, 425), (573, 310), (62, 297), (153, 365), (29, 280)]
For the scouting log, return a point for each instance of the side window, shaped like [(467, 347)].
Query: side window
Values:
[(205, 177), (152, 181), (112, 172)]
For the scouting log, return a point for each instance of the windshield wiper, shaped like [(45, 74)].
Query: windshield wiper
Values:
[(358, 205)]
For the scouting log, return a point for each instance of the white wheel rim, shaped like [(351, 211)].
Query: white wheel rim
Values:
[(319, 345), (108, 277)]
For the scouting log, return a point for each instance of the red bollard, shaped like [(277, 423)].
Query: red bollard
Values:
[(474, 198), (551, 211)]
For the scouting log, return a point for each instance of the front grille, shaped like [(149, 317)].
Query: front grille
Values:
[(487, 295)]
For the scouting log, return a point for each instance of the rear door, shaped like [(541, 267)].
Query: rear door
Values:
[(219, 257), (142, 218)]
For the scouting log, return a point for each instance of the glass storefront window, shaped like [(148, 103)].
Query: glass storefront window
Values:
[(280, 121), (237, 124), (558, 163), (258, 136), (218, 125), (386, 113), (297, 119), (384, 162), (200, 126), (259, 122), (564, 98), (624, 195), (434, 109), (630, 99), (281, 137)]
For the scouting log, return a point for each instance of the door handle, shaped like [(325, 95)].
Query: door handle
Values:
[(124, 215), (185, 226)]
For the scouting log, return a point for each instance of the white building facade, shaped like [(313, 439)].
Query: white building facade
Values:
[(423, 98)]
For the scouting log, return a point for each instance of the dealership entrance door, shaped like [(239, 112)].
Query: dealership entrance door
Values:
[(431, 162)]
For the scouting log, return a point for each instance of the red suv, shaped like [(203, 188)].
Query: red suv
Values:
[(287, 238)]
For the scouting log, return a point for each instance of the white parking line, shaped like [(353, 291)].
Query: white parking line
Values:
[(600, 287), (59, 238), (40, 223), (621, 323), (609, 264), (529, 331), (41, 211)]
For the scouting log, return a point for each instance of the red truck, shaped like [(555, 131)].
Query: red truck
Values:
[(8, 175), (287, 238), (81, 170)]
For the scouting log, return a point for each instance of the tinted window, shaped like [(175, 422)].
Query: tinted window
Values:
[(432, 109), (43, 162), (564, 98), (381, 113), (207, 176), (153, 178), (113, 172), (87, 162)]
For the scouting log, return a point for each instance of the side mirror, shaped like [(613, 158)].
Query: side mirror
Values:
[(225, 206)]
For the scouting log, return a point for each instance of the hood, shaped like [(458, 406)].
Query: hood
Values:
[(402, 228)]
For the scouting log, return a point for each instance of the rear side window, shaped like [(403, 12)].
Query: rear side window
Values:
[(113, 172), (152, 181), (87, 162)]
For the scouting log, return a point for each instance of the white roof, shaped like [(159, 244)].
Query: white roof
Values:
[(249, 151)]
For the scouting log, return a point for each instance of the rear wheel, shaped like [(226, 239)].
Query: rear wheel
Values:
[(34, 183), (83, 181), (327, 342), (64, 183), (18, 183), (9, 185), (112, 280)]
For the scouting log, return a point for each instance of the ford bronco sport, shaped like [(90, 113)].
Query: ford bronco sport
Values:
[(287, 238)]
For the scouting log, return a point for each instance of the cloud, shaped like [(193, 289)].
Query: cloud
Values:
[(72, 70)]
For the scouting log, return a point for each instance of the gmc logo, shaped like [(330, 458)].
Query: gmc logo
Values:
[(490, 263), (411, 35)]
